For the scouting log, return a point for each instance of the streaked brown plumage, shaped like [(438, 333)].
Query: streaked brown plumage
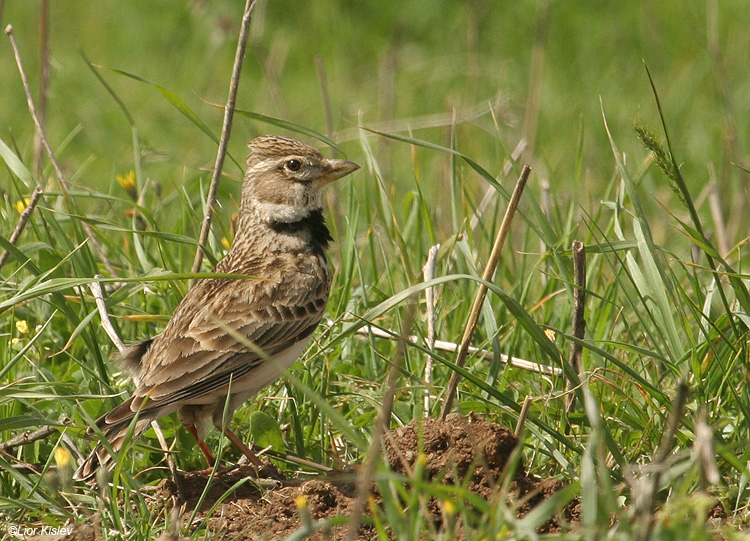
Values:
[(281, 239)]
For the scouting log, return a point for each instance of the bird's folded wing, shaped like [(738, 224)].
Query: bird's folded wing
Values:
[(218, 334)]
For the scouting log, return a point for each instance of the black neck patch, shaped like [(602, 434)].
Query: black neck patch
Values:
[(314, 224)]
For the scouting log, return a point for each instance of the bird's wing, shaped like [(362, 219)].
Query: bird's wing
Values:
[(199, 350)]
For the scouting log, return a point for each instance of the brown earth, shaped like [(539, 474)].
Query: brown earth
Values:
[(459, 450)]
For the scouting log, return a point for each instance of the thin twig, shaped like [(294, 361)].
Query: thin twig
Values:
[(525, 407), (30, 437), (43, 137), (489, 272), (22, 221), (579, 319), (366, 474), (429, 273), (226, 130), (442, 345), (292, 458), (644, 506), (170, 460), (101, 306)]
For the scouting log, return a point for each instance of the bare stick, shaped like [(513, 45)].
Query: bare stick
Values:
[(523, 416), (579, 320), (442, 345), (170, 460), (101, 306), (292, 458), (644, 506), (429, 273), (226, 130), (58, 170), (366, 474), (30, 437), (22, 221), (489, 272)]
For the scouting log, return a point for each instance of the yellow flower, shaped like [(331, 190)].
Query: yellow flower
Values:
[(22, 326), (301, 501), (22, 204), (127, 181), (62, 457), (449, 507)]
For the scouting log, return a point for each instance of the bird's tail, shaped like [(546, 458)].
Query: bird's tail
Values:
[(115, 426)]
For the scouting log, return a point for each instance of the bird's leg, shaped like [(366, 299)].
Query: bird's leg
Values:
[(202, 444), (244, 449)]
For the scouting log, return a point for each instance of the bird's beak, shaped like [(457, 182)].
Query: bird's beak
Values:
[(339, 168)]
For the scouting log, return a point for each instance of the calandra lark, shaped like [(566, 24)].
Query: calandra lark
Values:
[(235, 336)]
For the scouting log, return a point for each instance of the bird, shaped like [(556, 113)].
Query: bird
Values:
[(229, 338)]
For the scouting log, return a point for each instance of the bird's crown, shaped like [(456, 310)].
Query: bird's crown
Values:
[(269, 146)]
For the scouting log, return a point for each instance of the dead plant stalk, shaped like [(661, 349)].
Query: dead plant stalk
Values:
[(489, 272)]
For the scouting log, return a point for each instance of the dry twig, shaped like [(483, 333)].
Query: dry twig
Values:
[(30, 437), (579, 320), (22, 221), (489, 272), (522, 416), (429, 273), (442, 345), (43, 137), (644, 501), (226, 130)]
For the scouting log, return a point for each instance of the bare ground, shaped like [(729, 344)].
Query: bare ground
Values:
[(460, 450)]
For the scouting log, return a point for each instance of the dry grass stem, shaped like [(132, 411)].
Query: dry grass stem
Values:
[(22, 221), (101, 306), (442, 345), (644, 499), (50, 154), (226, 130), (579, 319), (176, 477), (429, 273), (489, 272), (522, 416)]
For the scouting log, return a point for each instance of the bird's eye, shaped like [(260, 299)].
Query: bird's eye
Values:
[(293, 165)]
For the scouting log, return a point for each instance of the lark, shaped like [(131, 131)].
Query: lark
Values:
[(229, 338)]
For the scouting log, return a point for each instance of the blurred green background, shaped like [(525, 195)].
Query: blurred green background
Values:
[(541, 66)]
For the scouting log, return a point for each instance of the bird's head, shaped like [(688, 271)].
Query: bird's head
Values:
[(285, 178)]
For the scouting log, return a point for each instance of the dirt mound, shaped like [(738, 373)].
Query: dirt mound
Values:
[(473, 451), (460, 450)]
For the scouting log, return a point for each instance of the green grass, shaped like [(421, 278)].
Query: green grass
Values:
[(665, 303)]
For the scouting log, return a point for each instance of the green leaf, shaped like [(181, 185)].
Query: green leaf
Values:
[(15, 164), (265, 431)]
